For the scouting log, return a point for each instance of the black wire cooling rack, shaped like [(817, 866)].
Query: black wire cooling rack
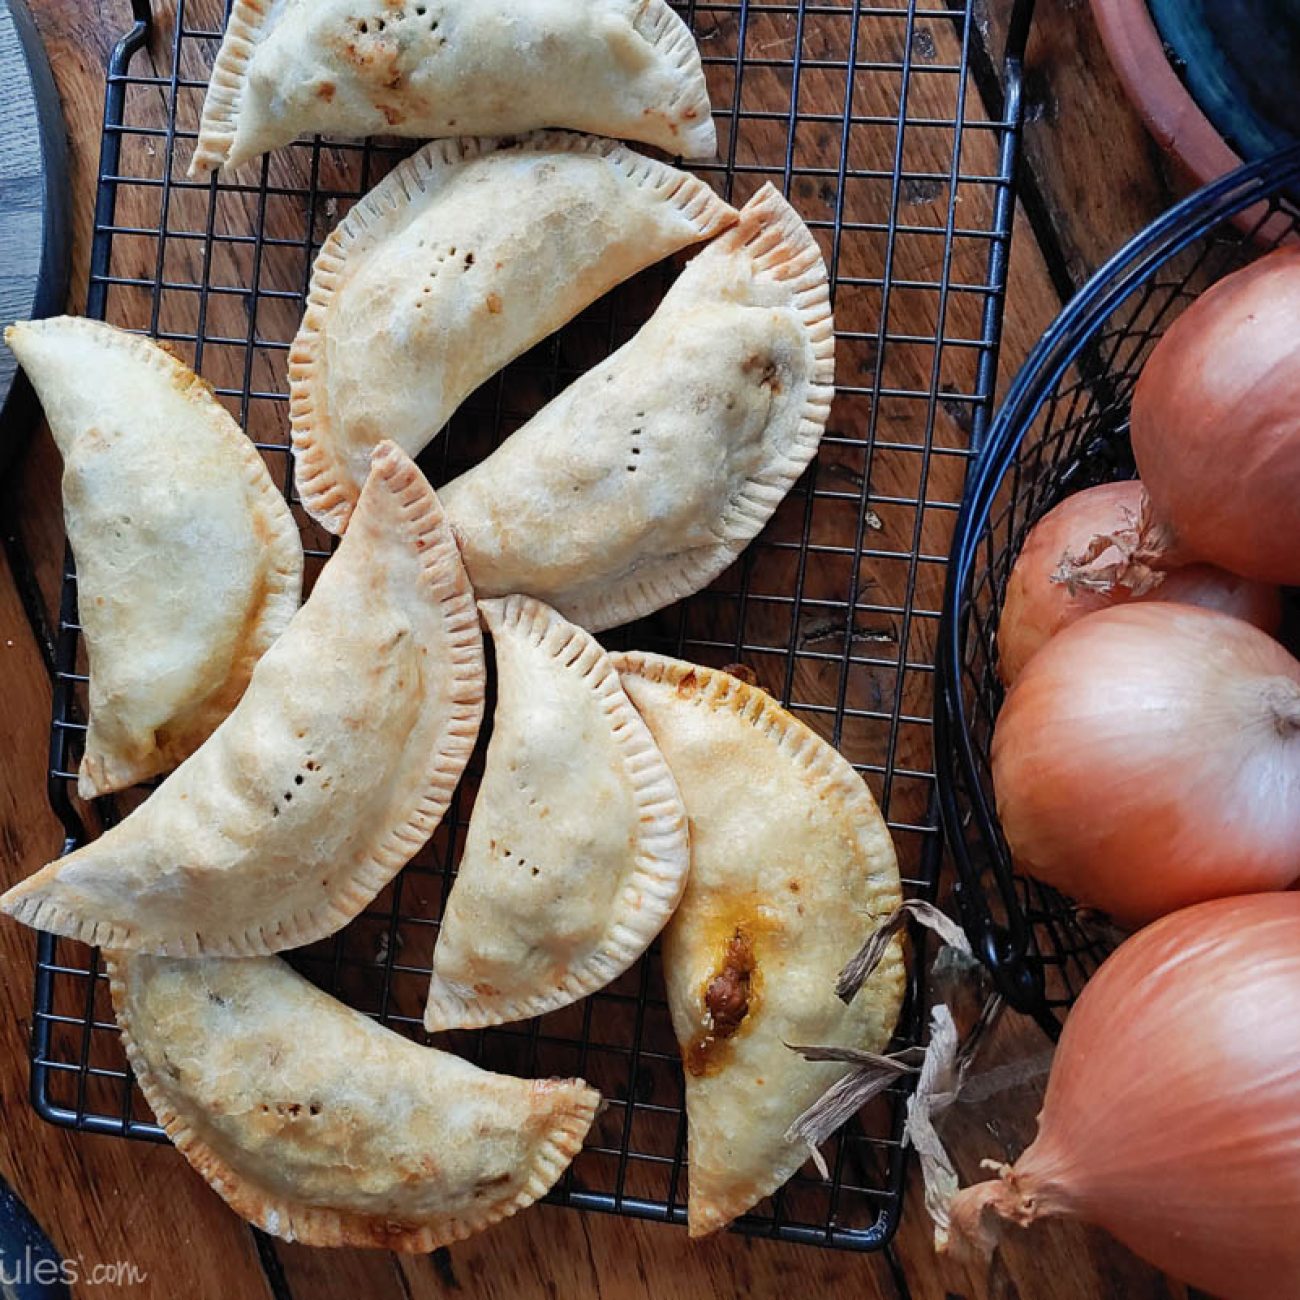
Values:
[(870, 117), (1063, 427)]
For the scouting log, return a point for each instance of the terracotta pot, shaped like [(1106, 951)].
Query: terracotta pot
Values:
[(1154, 88), (1163, 101)]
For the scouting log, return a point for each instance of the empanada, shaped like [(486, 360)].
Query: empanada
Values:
[(646, 477), (331, 772), (792, 867), (157, 479), (321, 1126), (435, 68), (576, 852), (463, 257)]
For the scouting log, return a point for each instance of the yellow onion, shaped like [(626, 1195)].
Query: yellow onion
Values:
[(1215, 425), (1051, 586), (1172, 1115), (1148, 757)]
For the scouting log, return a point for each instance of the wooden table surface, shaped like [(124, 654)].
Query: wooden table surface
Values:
[(1092, 178)]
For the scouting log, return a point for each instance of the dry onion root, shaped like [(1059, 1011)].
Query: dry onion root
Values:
[(942, 1066), (1172, 1114), (1215, 426), (1077, 559), (1149, 757)]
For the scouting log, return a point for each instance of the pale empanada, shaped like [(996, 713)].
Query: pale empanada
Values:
[(645, 478), (331, 772), (460, 259), (157, 479), (435, 68), (792, 867), (321, 1126), (576, 852)]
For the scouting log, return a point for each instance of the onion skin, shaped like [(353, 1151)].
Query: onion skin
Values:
[(1172, 1114), (1215, 426), (1039, 602), (1148, 757)]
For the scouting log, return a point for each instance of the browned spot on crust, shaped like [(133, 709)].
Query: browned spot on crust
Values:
[(793, 886), (769, 376), (742, 671), (494, 303), (325, 91), (393, 116), (687, 683), (384, 1234), (260, 528)]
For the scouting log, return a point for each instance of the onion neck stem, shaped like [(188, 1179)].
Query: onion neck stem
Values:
[(1282, 697)]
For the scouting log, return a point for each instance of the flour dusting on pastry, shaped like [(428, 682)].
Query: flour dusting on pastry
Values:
[(321, 1126), (430, 69), (334, 768), (462, 258), (576, 852), (648, 476), (157, 479), (791, 866)]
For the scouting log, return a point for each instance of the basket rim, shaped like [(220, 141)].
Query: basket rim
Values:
[(1009, 951)]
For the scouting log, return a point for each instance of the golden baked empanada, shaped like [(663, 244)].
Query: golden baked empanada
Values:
[(157, 479), (792, 867), (646, 477), (576, 852), (331, 772), (463, 257), (435, 68), (321, 1126)]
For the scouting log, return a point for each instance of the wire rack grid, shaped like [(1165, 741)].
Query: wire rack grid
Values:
[(869, 117), (1063, 427)]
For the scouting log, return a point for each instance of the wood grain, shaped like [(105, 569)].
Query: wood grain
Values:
[(100, 1197), (1094, 177)]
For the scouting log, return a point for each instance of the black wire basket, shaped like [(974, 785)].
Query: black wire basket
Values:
[(896, 137), (1064, 427)]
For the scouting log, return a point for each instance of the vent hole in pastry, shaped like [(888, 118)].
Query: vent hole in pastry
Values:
[(469, 260), (363, 28), (299, 779), (537, 871), (379, 24), (314, 1108)]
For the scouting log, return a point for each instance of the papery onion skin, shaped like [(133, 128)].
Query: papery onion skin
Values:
[(1215, 426), (1148, 757), (1172, 1114), (1038, 605)]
